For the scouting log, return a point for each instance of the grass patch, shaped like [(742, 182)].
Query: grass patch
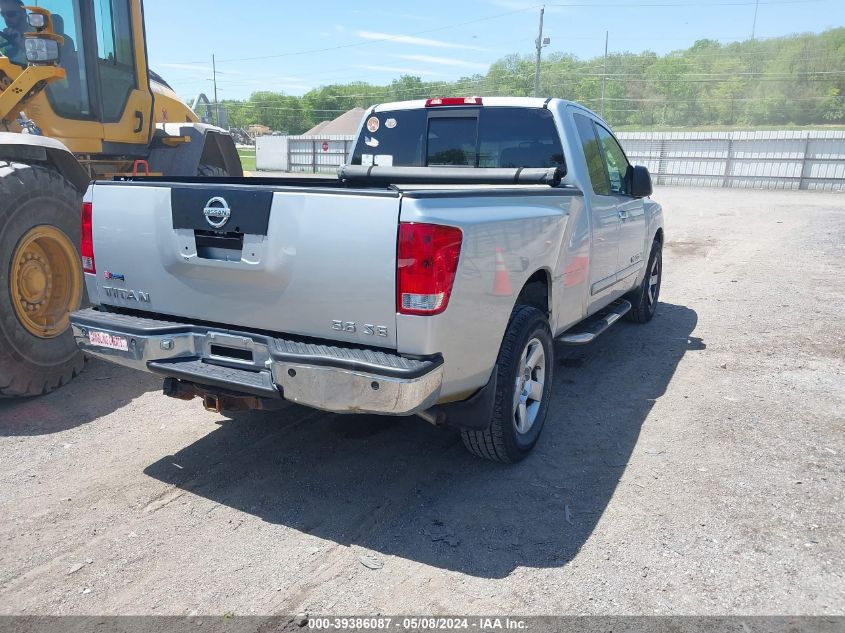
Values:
[(247, 155)]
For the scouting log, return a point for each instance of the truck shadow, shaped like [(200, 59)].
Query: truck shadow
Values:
[(101, 389), (402, 488)]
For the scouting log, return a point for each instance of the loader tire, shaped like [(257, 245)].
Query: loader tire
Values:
[(211, 171), (40, 279)]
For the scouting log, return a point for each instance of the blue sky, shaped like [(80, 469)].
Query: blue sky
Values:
[(281, 46)]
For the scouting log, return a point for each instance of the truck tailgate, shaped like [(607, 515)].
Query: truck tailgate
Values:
[(317, 263)]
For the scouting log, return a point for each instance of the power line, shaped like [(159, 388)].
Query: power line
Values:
[(429, 90), (614, 58), (691, 59), (695, 77), (505, 14), (655, 101)]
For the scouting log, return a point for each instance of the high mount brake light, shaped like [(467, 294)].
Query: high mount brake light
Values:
[(86, 243), (426, 260), (452, 101)]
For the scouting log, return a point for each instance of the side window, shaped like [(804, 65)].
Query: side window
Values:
[(69, 97), (400, 134), (617, 164), (115, 57), (593, 154)]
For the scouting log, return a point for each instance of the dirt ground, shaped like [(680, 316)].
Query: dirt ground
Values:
[(694, 465)]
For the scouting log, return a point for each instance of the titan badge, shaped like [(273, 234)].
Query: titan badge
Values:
[(127, 295)]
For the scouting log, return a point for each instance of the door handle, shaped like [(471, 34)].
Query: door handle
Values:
[(623, 215), (139, 116)]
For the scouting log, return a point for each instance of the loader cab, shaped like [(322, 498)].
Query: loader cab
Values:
[(104, 106)]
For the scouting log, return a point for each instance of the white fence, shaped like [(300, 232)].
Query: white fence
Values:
[(762, 160), (751, 160), (302, 154)]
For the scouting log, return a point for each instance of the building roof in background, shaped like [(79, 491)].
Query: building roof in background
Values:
[(347, 123), (317, 128)]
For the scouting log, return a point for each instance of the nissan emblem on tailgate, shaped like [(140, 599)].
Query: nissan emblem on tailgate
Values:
[(216, 212)]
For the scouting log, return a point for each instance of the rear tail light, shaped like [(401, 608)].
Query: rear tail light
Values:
[(452, 101), (426, 261), (86, 243)]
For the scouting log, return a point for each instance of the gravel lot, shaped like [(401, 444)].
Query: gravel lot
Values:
[(691, 466)]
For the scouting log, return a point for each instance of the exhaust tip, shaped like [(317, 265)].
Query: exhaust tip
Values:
[(212, 403)]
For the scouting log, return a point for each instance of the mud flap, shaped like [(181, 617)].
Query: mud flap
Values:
[(474, 413)]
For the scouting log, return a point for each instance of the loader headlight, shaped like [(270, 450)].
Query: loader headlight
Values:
[(37, 20), (40, 50)]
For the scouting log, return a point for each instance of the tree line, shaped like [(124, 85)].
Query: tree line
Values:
[(793, 80)]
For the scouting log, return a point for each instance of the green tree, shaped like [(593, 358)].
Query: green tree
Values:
[(799, 79)]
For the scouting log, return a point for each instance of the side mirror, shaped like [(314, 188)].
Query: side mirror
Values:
[(640, 181)]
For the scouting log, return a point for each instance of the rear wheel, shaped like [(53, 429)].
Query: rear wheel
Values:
[(40, 279), (523, 385)]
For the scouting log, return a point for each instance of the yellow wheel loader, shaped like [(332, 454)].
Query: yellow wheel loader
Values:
[(77, 102)]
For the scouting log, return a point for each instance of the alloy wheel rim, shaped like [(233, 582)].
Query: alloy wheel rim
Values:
[(529, 387), (654, 282)]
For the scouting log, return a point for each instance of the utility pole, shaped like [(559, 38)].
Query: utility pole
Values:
[(754, 24), (539, 50), (216, 103), (604, 74)]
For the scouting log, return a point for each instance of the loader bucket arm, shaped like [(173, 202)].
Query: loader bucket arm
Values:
[(19, 84), (24, 85)]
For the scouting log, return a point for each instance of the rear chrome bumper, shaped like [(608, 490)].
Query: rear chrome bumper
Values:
[(323, 376)]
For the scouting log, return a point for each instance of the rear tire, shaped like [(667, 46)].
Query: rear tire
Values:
[(523, 386), (645, 297), (32, 196)]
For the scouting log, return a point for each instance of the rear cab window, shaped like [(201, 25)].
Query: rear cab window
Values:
[(452, 141), (460, 137)]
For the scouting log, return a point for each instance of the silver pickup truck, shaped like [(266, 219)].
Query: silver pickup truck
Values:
[(463, 237)]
